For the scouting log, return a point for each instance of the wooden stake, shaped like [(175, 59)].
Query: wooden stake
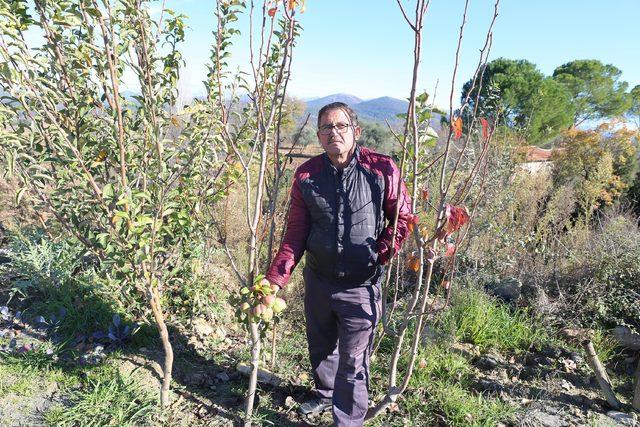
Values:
[(636, 394), (601, 374)]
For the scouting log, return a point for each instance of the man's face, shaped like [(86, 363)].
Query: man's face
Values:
[(337, 143)]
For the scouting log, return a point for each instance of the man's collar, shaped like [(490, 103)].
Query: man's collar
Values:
[(354, 159)]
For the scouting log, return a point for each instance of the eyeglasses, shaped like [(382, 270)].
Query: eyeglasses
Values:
[(327, 129)]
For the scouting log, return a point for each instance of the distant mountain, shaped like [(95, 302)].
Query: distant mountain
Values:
[(314, 106), (376, 110), (381, 109)]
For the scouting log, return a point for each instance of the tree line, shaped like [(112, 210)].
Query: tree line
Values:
[(516, 94)]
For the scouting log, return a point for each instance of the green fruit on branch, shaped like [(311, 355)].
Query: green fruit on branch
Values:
[(265, 283), (278, 305), (267, 314), (258, 310)]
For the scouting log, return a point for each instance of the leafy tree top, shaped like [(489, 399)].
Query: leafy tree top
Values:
[(517, 94), (595, 88)]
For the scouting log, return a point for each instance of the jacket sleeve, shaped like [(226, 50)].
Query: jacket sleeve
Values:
[(405, 216), (294, 241)]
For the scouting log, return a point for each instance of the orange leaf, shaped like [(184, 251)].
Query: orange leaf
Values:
[(412, 221), (456, 127), (485, 128), (446, 284), (272, 11), (413, 263)]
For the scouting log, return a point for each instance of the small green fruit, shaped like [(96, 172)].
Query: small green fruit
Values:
[(278, 305), (258, 310), (268, 300), (267, 314)]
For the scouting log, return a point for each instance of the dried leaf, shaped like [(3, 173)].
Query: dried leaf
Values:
[(272, 11)]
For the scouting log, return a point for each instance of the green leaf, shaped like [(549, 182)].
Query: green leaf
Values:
[(142, 220), (107, 191), (20, 194)]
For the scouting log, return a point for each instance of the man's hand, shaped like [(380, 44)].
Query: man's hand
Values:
[(278, 304), (274, 287)]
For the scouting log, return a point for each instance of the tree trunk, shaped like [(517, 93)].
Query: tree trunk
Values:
[(253, 377), (601, 374), (166, 345)]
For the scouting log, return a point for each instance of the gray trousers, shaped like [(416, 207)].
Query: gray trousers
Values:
[(340, 328)]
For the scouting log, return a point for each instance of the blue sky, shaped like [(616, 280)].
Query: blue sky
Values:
[(365, 48)]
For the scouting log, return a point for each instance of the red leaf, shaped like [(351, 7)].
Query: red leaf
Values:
[(424, 194), (456, 127), (451, 249), (272, 11), (485, 128), (455, 218)]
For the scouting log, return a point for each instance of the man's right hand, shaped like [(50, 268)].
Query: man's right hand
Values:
[(274, 287)]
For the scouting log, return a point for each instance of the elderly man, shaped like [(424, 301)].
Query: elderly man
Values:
[(343, 203)]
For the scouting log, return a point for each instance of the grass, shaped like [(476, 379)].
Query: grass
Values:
[(440, 390), (106, 398), (477, 318), (14, 380), (605, 345)]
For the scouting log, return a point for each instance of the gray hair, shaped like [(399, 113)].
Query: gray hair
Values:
[(339, 106)]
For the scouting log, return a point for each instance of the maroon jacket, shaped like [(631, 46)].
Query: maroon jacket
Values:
[(343, 219)]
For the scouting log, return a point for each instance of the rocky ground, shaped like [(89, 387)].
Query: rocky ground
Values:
[(550, 386), (553, 387)]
